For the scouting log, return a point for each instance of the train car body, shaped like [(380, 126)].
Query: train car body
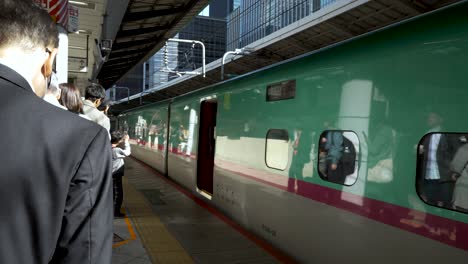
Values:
[(148, 130), (253, 146)]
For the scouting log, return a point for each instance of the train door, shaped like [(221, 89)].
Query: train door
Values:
[(206, 146)]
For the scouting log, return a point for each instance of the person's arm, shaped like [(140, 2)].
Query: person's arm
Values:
[(87, 226), (107, 123), (122, 153)]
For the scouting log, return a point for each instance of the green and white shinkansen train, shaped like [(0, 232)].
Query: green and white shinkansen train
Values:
[(354, 153)]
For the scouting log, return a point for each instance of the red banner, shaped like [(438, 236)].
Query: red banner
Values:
[(58, 10)]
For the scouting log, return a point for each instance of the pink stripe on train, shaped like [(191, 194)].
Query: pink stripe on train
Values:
[(445, 230)]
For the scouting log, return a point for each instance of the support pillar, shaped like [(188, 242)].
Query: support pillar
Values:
[(61, 62)]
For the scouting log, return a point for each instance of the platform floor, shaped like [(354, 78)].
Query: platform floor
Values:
[(127, 246), (164, 225)]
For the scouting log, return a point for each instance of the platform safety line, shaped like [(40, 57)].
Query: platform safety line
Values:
[(276, 253), (130, 231)]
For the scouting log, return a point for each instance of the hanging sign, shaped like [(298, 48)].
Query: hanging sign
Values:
[(73, 21)]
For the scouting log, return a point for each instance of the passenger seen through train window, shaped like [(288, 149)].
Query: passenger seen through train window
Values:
[(442, 173), (337, 156)]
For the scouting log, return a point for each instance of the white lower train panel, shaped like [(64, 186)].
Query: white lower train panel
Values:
[(308, 230)]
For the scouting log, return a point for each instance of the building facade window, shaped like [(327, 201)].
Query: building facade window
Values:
[(251, 20)]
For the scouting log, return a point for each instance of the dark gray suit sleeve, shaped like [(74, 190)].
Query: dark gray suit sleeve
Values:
[(87, 225)]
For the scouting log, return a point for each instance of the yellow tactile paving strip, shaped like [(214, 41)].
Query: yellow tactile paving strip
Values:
[(130, 231), (160, 245)]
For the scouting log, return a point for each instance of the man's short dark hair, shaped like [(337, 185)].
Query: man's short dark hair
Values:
[(116, 136), (26, 25), (94, 92)]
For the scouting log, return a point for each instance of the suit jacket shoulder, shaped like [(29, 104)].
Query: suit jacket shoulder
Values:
[(56, 166)]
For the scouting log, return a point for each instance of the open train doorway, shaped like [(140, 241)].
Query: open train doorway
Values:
[(206, 146)]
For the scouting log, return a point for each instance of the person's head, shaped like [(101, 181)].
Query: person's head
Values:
[(53, 87), (28, 41), (116, 137), (70, 98), (95, 93)]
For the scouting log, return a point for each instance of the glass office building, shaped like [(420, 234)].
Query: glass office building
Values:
[(210, 31), (252, 20)]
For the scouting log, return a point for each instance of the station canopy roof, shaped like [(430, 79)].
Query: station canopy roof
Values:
[(144, 29)]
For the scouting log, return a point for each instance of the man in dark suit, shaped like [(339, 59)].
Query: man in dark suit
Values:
[(55, 167)]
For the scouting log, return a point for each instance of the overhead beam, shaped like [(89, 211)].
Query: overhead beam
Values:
[(141, 31), (123, 57), (119, 66), (114, 71), (120, 54), (136, 16), (109, 78), (120, 61), (130, 44)]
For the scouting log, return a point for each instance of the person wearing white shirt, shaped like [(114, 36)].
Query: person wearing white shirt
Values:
[(94, 95), (53, 92), (118, 168)]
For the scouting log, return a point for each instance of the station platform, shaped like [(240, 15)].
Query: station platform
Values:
[(166, 224)]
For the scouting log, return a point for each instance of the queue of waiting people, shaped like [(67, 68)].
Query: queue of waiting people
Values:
[(56, 170), (67, 96)]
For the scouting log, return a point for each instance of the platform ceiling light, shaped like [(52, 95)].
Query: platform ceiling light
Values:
[(76, 47), (84, 31), (83, 4), (80, 3)]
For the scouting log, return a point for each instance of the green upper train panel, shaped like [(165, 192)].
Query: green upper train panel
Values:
[(385, 87)]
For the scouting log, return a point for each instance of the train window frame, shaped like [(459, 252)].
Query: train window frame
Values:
[(421, 170), (285, 90), (321, 159), (266, 148)]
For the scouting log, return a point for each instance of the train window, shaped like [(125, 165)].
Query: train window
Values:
[(281, 91), (277, 149), (442, 170), (338, 156)]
